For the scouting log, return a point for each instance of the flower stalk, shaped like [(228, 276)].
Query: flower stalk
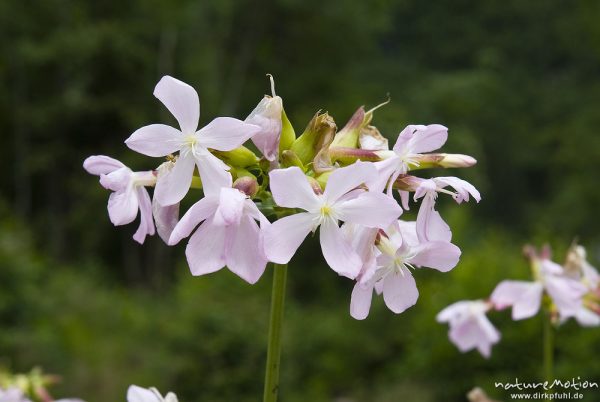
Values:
[(275, 328)]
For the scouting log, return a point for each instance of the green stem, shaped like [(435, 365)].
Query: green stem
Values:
[(275, 325), (548, 347)]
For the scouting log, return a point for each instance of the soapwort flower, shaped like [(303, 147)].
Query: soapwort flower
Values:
[(129, 193), (222, 134), (291, 189), (228, 235), (470, 327), (387, 267)]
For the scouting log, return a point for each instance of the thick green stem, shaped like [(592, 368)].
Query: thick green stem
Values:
[(275, 326), (548, 347)]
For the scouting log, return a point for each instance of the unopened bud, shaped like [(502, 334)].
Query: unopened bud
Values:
[(347, 155), (348, 136), (247, 185), (317, 135), (424, 161), (239, 157), (288, 135), (289, 159), (314, 184)]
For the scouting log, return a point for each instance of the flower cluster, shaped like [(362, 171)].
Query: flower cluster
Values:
[(571, 290), (253, 210)]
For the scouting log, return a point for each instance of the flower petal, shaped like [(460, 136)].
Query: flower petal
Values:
[(462, 187), (246, 256), (437, 255), (337, 251), (360, 301), (525, 297), (267, 115), (122, 206), (117, 180), (101, 164), (181, 100), (348, 178), (198, 212), (226, 133), (165, 218), (427, 138), (566, 294), (205, 251), (231, 207), (146, 222), (290, 189), (285, 235), (400, 291), (213, 173), (139, 394), (173, 185), (374, 210), (155, 140)]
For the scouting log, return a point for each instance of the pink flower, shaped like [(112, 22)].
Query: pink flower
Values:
[(411, 143), (428, 219), (398, 250), (129, 194), (228, 235), (525, 297), (267, 115), (291, 189), (13, 394), (139, 394), (223, 134), (469, 326)]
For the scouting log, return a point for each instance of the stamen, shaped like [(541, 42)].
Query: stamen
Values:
[(272, 84)]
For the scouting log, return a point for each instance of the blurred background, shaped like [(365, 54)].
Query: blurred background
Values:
[(516, 82)]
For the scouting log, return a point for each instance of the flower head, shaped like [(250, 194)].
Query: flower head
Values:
[(139, 394)]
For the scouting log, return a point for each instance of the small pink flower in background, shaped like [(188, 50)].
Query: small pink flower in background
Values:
[(399, 249), (526, 297), (228, 235), (129, 193), (223, 134), (267, 115), (139, 394), (469, 326), (291, 189), (13, 394)]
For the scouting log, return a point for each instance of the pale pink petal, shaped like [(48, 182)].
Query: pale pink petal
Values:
[(213, 173), (246, 256), (360, 301), (290, 189), (566, 294), (463, 188), (285, 235), (524, 297), (337, 251), (408, 232), (174, 184), (453, 312), (385, 169), (587, 318), (117, 180), (425, 218), (252, 210), (123, 206), (155, 140), (139, 394), (165, 218), (101, 164), (342, 180), (181, 100), (267, 115), (375, 210), (400, 291), (428, 139), (437, 229), (226, 133), (231, 207), (404, 199), (206, 251), (438, 255), (198, 212), (146, 222)]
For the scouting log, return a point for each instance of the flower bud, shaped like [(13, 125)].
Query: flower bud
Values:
[(314, 184), (238, 157), (289, 159), (425, 161), (317, 135), (348, 136), (347, 156), (247, 185), (288, 135)]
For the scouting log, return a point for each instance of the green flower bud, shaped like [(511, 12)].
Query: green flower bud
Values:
[(288, 135), (240, 157), (348, 136), (289, 158), (317, 135)]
